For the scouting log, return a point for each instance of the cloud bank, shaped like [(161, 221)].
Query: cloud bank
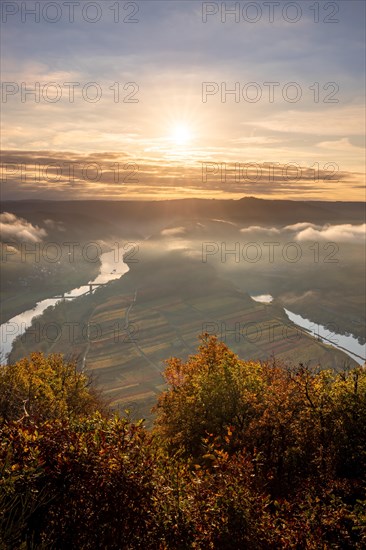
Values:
[(12, 227), (306, 231), (335, 233)]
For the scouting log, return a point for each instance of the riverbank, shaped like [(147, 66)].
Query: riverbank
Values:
[(110, 268), (346, 343)]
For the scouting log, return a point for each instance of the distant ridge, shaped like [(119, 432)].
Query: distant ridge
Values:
[(246, 210)]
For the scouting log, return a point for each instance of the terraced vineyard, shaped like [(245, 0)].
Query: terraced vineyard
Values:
[(125, 331)]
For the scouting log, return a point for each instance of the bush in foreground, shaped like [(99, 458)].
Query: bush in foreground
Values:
[(243, 455)]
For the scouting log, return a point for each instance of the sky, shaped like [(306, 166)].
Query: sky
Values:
[(167, 99)]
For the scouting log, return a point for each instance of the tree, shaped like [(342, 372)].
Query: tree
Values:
[(294, 423), (243, 454), (207, 394), (83, 483), (43, 388)]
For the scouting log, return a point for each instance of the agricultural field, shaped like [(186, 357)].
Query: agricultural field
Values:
[(123, 333)]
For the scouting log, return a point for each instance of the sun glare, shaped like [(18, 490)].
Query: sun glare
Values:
[(181, 135)]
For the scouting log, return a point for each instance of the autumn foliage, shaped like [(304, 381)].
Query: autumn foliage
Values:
[(243, 455)]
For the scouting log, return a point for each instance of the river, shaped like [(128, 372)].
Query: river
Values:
[(111, 268), (348, 344), (108, 272)]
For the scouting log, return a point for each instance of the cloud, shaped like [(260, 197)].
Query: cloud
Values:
[(174, 43), (342, 144), (54, 225), (226, 222), (257, 140), (301, 225), (259, 229), (306, 231), (345, 120), (65, 175), (12, 227), (173, 231), (338, 233)]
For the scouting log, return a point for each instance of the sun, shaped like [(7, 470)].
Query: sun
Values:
[(181, 134)]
